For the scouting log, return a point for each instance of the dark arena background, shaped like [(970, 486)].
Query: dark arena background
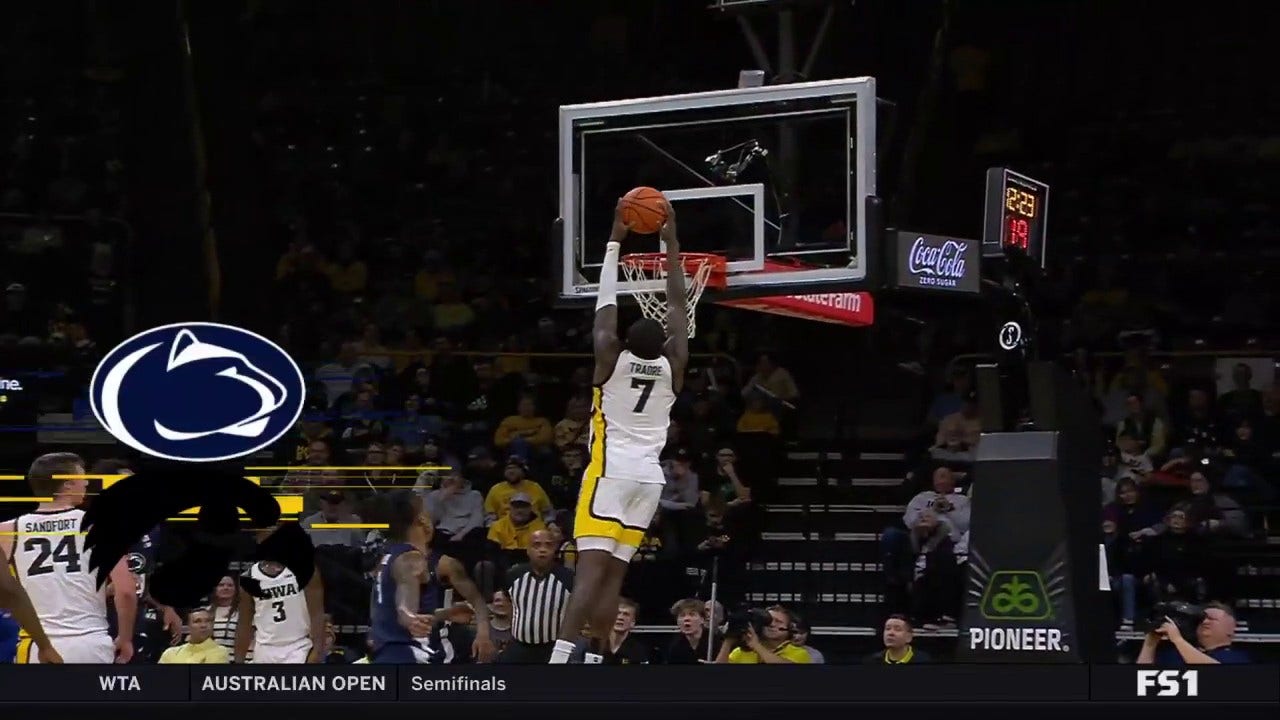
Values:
[(988, 383)]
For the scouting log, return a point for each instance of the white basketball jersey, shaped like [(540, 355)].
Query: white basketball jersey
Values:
[(280, 617), (51, 562), (630, 415)]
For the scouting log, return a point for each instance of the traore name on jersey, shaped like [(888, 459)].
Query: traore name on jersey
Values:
[(640, 368)]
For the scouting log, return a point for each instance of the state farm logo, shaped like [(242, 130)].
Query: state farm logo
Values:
[(937, 265)]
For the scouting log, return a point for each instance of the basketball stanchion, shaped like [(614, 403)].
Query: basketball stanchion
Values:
[(711, 621)]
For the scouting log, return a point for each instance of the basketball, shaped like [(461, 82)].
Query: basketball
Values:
[(643, 211)]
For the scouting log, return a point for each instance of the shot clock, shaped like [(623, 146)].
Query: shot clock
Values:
[(1016, 215)]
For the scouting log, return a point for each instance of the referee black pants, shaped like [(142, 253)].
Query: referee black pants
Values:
[(518, 653)]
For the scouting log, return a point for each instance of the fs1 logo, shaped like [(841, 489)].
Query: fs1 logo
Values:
[(197, 392), (1169, 683)]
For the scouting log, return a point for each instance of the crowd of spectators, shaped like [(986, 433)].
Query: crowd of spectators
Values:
[(63, 193), (1189, 474)]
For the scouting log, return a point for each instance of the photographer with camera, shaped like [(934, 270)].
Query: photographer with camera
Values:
[(757, 636), (1213, 627)]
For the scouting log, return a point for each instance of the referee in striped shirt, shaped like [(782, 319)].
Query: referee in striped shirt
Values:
[(539, 592)]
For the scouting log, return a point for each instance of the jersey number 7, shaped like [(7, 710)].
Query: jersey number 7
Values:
[(646, 388)]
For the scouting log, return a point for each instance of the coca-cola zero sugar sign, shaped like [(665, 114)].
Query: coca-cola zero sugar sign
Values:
[(934, 262)]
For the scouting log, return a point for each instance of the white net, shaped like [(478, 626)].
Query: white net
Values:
[(649, 272)]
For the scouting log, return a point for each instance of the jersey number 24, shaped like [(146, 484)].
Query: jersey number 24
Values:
[(49, 556)]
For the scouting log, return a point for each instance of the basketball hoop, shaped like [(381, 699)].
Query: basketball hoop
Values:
[(649, 272)]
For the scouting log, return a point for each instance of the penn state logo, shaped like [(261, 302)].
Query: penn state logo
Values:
[(197, 392)]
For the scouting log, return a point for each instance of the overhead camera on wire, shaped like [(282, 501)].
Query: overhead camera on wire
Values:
[(730, 163)]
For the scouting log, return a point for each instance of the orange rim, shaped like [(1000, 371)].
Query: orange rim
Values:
[(691, 262)]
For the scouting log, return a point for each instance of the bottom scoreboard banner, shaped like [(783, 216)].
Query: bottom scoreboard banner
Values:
[(632, 684)]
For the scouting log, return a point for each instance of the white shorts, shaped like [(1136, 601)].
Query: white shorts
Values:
[(614, 515), (295, 654), (91, 649)]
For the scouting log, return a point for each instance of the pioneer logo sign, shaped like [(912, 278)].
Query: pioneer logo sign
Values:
[(933, 262), (1015, 596)]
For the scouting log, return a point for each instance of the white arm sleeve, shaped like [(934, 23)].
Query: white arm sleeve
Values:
[(608, 294)]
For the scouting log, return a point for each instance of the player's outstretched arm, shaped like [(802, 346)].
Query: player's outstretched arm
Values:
[(244, 627), (604, 334), (677, 301), (408, 571), (314, 593), (456, 575), (15, 599), (126, 602)]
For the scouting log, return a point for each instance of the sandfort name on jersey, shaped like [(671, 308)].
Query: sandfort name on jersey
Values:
[(54, 525)]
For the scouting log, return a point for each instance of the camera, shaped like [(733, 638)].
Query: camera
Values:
[(1186, 616), (739, 620)]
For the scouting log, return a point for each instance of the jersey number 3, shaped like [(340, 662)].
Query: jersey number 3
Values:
[(646, 388), (66, 554), (280, 615)]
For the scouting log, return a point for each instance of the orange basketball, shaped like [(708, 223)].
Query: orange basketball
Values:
[(644, 211)]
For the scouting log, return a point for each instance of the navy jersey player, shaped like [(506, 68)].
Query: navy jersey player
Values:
[(406, 623), (157, 625)]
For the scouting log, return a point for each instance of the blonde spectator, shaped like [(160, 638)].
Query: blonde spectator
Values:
[(225, 612)]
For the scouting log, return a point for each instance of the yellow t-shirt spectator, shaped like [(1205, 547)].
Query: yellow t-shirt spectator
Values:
[(452, 315), (208, 652), (536, 431), (571, 432), (498, 501), (511, 365), (786, 651), (350, 278), (426, 284), (759, 421), (509, 536)]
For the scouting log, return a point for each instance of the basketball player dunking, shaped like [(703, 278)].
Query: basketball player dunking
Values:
[(288, 625), (635, 387), (46, 549), (407, 624)]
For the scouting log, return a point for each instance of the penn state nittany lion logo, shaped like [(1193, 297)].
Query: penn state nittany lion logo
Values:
[(197, 392), (137, 562)]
